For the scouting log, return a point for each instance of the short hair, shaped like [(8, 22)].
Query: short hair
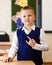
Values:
[(27, 8)]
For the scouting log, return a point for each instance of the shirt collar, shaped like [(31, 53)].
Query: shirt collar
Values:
[(32, 28)]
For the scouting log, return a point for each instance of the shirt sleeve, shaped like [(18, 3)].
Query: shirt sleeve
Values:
[(43, 46), (14, 46)]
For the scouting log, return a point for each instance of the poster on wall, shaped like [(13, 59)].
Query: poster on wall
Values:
[(16, 6)]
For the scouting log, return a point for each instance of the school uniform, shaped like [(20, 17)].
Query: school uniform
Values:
[(26, 52)]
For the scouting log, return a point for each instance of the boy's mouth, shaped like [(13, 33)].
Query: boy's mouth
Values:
[(27, 20)]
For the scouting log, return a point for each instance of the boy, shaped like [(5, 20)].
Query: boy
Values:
[(28, 42)]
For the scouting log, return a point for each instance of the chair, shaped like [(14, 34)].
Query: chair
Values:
[(4, 37)]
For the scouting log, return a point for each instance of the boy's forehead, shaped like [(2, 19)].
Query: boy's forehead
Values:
[(27, 11)]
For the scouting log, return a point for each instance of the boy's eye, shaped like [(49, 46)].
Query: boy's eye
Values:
[(24, 16), (29, 15)]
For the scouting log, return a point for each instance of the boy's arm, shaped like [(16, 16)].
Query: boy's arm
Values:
[(14, 47), (43, 46)]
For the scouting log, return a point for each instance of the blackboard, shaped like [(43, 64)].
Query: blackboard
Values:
[(16, 8)]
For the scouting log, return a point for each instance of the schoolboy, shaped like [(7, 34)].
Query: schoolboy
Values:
[(29, 41)]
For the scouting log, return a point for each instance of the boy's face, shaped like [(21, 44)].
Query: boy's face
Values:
[(27, 17)]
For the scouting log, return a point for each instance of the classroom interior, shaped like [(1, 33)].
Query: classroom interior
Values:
[(6, 27)]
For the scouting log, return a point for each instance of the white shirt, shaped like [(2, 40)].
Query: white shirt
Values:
[(42, 47)]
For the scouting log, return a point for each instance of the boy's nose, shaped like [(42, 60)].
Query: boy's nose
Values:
[(27, 17)]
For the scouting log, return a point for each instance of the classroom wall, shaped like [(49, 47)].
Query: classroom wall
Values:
[(47, 15), (5, 16), (47, 26), (5, 24)]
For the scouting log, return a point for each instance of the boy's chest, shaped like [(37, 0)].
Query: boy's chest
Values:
[(22, 37)]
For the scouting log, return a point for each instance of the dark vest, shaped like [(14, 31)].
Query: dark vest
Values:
[(26, 52)]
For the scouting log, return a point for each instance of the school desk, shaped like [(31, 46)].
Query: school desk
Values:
[(7, 45), (4, 46), (15, 62)]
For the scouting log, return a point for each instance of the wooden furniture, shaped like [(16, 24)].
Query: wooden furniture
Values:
[(3, 47), (15, 62), (6, 45)]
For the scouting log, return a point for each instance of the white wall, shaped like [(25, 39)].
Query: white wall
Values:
[(5, 16), (47, 25), (47, 15)]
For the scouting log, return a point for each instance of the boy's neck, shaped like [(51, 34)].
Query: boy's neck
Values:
[(28, 27)]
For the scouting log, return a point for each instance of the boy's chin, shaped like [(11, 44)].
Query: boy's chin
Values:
[(27, 24)]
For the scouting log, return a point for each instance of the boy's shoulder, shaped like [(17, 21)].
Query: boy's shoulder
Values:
[(38, 28), (19, 30)]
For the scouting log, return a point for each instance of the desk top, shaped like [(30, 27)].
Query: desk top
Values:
[(17, 63)]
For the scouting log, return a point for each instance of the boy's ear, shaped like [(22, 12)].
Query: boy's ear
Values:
[(34, 17)]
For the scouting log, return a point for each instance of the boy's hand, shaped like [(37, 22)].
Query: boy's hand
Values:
[(14, 18), (8, 59), (31, 42)]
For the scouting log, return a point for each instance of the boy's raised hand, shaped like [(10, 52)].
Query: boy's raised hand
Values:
[(31, 42)]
